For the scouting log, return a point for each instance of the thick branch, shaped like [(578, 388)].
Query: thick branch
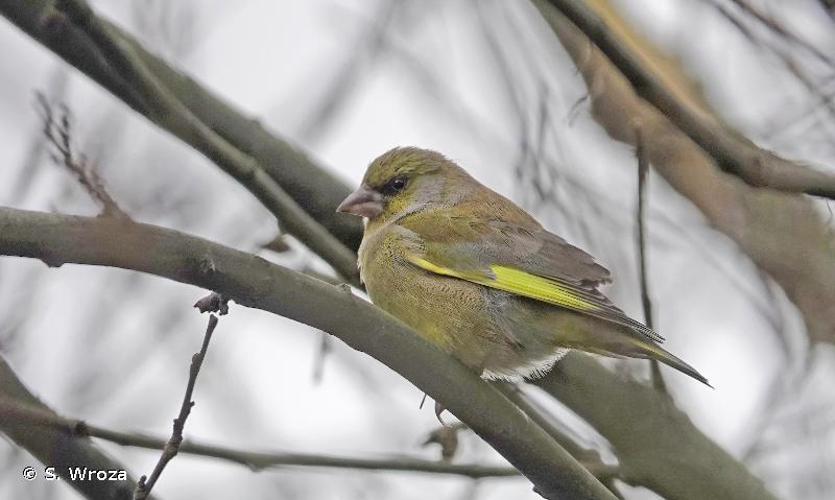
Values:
[(767, 225), (732, 151), (254, 282), (656, 443), (55, 447), (607, 474), (165, 110), (292, 177), (254, 460)]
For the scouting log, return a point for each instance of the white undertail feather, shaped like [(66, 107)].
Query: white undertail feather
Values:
[(532, 370)]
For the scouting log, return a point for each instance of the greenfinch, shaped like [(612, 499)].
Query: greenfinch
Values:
[(477, 276)]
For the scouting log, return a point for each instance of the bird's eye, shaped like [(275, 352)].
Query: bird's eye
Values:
[(394, 186)]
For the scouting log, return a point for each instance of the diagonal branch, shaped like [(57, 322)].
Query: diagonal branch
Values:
[(732, 151), (254, 282), (766, 224), (317, 190), (143, 90), (607, 474)]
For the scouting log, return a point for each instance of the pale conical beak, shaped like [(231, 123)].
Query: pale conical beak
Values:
[(363, 202)]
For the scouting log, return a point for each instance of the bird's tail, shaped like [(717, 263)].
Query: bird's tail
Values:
[(651, 350), (625, 342), (602, 337)]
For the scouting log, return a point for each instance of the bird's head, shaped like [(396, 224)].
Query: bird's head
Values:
[(406, 180)]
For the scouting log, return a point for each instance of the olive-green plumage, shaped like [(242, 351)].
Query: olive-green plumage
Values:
[(476, 275)]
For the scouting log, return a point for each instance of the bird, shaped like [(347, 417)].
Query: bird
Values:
[(477, 276)]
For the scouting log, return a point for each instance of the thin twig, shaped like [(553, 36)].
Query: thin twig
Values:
[(256, 461), (58, 133), (777, 28), (640, 236), (27, 173), (143, 488), (346, 79), (819, 95)]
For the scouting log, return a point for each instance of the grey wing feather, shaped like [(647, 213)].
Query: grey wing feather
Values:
[(545, 254)]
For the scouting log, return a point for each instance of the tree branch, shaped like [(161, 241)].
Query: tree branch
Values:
[(607, 474), (256, 461), (166, 110), (53, 446), (118, 63), (657, 445), (254, 282), (766, 224), (732, 151), (172, 446)]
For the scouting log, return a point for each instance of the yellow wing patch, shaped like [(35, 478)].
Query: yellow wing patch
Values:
[(518, 282), (539, 288)]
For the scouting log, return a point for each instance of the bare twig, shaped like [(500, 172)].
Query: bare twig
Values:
[(820, 96), (165, 108), (640, 237), (346, 79), (58, 133), (145, 484), (257, 461), (56, 89)]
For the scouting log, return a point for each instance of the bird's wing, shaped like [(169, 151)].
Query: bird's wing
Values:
[(523, 259)]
